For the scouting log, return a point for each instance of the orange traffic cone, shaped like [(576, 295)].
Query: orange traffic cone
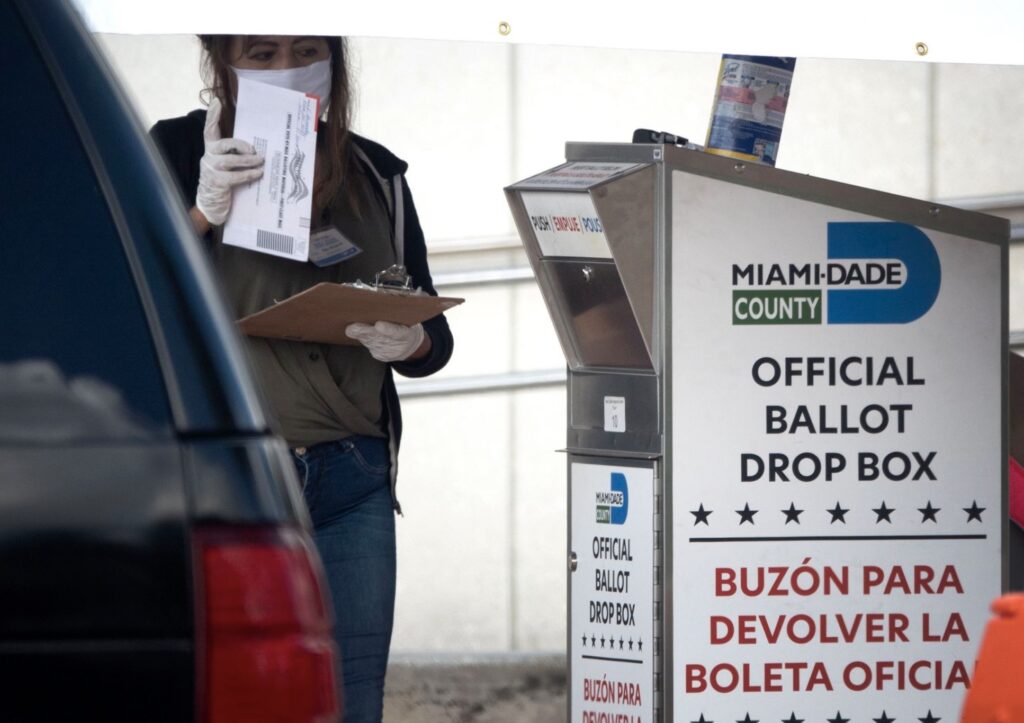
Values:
[(997, 692)]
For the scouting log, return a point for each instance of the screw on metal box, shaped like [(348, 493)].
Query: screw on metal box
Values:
[(504, 28), (922, 49), (572, 562), (588, 273)]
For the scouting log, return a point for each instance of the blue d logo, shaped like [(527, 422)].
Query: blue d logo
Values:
[(883, 240), (619, 485)]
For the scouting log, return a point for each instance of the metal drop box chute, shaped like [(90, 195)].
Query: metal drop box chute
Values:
[(589, 232)]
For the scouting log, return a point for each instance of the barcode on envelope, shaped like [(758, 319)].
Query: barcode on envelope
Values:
[(275, 242)]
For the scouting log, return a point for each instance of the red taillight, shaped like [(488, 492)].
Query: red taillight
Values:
[(265, 652)]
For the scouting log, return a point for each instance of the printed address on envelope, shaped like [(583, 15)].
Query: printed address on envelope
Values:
[(272, 214)]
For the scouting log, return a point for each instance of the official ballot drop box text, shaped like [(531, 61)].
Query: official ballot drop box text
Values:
[(786, 437)]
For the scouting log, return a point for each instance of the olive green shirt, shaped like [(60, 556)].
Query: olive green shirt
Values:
[(316, 392)]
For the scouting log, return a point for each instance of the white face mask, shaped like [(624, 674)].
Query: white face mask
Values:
[(313, 79)]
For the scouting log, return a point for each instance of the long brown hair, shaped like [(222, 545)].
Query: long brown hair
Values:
[(332, 141)]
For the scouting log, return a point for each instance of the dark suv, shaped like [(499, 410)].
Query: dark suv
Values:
[(155, 561)]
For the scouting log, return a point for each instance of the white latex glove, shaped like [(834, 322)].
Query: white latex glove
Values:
[(227, 162), (387, 342)]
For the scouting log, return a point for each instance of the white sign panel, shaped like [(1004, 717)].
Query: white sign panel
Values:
[(838, 441), (945, 31), (566, 224), (611, 626)]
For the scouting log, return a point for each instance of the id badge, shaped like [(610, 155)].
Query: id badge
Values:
[(328, 247)]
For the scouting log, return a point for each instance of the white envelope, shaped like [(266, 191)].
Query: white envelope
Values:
[(272, 214)]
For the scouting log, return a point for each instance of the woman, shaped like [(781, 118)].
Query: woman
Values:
[(336, 405)]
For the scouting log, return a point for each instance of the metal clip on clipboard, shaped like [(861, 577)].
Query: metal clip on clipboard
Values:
[(392, 280)]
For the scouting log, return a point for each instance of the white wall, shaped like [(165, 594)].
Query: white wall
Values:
[(482, 544)]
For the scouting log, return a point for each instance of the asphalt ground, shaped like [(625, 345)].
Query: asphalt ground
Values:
[(478, 689)]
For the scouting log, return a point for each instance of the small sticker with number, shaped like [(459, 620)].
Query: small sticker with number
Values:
[(615, 414)]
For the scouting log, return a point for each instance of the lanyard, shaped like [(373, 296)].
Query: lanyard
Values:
[(398, 206)]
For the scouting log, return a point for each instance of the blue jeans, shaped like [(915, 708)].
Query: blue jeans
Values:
[(347, 488)]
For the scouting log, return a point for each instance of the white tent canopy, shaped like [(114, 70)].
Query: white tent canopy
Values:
[(947, 31)]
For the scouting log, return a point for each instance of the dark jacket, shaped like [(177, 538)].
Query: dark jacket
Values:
[(181, 140)]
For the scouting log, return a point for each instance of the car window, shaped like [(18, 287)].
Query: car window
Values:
[(76, 355)]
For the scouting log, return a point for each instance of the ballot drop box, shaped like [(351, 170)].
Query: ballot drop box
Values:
[(786, 440)]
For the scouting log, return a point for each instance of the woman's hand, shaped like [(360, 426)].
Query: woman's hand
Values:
[(227, 162), (389, 342)]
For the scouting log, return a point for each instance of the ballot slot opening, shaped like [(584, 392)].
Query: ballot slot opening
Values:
[(591, 301)]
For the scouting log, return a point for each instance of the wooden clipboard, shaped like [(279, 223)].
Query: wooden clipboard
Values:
[(321, 313)]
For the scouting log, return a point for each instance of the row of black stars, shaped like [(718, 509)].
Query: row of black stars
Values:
[(838, 719), (594, 640), (929, 513)]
